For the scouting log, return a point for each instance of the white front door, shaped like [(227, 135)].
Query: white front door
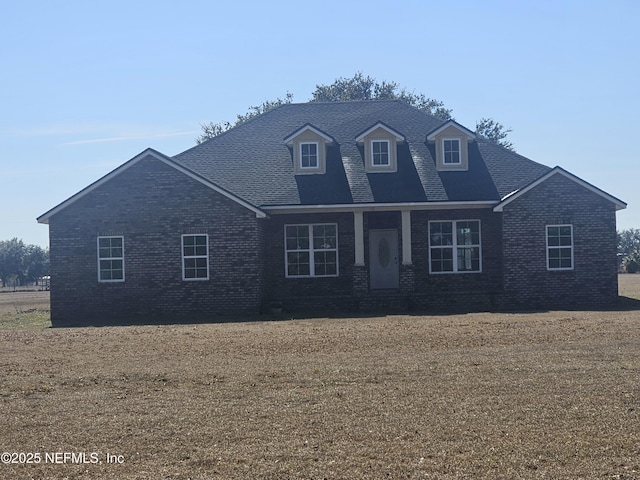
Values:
[(383, 259)]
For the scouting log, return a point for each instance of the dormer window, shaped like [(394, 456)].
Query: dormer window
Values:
[(308, 155), (380, 153), (451, 151), (380, 144), (309, 150), (451, 146)]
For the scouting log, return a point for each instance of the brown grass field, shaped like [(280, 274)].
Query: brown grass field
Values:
[(544, 395)]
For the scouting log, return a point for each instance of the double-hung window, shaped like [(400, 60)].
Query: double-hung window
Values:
[(559, 247), (195, 257), (380, 153), (451, 151), (454, 246), (309, 155), (111, 259), (311, 250)]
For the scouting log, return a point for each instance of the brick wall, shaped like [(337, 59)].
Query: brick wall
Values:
[(418, 289), (315, 294), (593, 281), (152, 205), (467, 291)]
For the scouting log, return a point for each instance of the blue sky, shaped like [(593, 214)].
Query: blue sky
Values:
[(85, 86)]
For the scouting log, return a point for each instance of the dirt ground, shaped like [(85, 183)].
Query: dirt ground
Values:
[(537, 395)]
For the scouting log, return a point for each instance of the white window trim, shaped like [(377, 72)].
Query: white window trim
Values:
[(317, 165), (459, 162), (549, 247), (381, 165), (312, 273), (454, 246), (118, 280), (183, 256)]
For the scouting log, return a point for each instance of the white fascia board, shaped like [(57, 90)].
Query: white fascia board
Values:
[(376, 207), (620, 205), (398, 136), (149, 152), (310, 128), (451, 123)]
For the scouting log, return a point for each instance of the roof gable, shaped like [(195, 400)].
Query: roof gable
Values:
[(619, 204), (149, 152), (451, 123), (309, 128), (380, 125)]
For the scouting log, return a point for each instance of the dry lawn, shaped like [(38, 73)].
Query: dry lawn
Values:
[(539, 395)]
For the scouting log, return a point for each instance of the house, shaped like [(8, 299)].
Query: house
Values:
[(324, 207)]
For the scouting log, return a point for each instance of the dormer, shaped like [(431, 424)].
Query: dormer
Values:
[(309, 147), (380, 148), (452, 146)]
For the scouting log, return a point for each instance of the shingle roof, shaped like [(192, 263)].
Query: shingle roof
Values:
[(253, 162)]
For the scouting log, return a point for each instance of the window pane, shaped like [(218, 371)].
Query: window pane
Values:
[(451, 150), (560, 258), (298, 263), (565, 231), (565, 241), (324, 236), (297, 237), (441, 233), (380, 152), (442, 260), (469, 259), (111, 270), (468, 233), (309, 155), (189, 241), (194, 251), (109, 247), (560, 243), (325, 263)]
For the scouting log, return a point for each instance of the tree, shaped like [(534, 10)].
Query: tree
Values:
[(360, 87), (11, 259), (211, 129), (35, 263), (494, 131), (20, 262), (629, 249)]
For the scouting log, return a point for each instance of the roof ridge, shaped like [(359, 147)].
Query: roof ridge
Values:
[(371, 100)]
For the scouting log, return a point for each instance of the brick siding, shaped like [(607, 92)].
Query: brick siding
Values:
[(152, 205), (134, 204), (418, 290), (593, 281)]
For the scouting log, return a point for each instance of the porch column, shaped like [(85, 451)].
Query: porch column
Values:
[(406, 237), (358, 227)]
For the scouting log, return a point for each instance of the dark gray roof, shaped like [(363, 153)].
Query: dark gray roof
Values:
[(253, 162)]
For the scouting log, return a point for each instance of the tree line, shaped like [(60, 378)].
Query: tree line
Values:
[(22, 264), (629, 250), (360, 87)]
